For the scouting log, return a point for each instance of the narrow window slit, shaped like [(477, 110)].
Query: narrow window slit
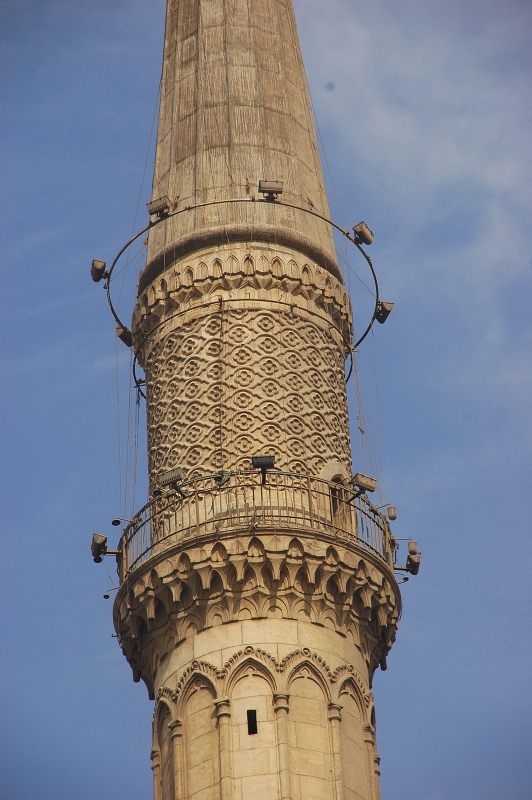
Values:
[(252, 722)]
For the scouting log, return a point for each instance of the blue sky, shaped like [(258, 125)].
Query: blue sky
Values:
[(424, 111)]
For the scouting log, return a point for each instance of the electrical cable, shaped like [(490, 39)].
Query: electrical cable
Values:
[(379, 427), (141, 184), (365, 434), (109, 576), (119, 427), (124, 483)]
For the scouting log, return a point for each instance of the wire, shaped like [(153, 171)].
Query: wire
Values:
[(357, 276), (135, 466), (109, 575), (360, 430), (141, 185), (325, 157), (379, 428), (119, 426), (131, 444), (365, 434)]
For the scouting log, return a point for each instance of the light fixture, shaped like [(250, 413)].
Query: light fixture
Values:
[(392, 513), (98, 270), (117, 520), (98, 547), (222, 479), (364, 483), (263, 463), (125, 335), (271, 189), (170, 477), (159, 207), (414, 558), (363, 235), (383, 311)]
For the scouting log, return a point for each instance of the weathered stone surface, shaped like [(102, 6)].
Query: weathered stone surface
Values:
[(235, 109)]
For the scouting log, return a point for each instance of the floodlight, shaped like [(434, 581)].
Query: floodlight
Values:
[(98, 270), (414, 558), (363, 235), (271, 189), (98, 547), (125, 335), (263, 463), (159, 207), (175, 475), (383, 311), (364, 482)]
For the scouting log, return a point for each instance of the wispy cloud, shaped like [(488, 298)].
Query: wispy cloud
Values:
[(431, 117)]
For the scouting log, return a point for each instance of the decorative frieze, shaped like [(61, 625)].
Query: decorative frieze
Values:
[(182, 592), (245, 355)]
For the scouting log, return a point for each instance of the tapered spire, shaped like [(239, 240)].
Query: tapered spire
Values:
[(235, 109)]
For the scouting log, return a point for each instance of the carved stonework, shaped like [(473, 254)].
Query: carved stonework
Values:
[(183, 592), (234, 370), (255, 604), (280, 674)]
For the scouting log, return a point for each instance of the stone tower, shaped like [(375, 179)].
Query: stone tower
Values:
[(255, 603)]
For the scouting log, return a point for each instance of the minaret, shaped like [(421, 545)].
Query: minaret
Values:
[(257, 592)]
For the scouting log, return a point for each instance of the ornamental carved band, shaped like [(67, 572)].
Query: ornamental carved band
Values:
[(244, 354)]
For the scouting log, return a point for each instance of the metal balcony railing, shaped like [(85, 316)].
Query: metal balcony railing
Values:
[(239, 502)]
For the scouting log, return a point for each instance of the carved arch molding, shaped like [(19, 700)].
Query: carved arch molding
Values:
[(182, 593), (279, 675)]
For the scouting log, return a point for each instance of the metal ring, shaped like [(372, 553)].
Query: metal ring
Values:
[(241, 200)]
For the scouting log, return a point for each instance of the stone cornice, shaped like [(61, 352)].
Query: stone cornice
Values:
[(338, 585), (215, 236), (192, 286)]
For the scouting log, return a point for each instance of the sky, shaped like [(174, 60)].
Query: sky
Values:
[(424, 118)]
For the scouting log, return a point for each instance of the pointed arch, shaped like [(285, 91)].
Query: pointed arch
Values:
[(232, 265), (164, 741), (249, 265), (352, 738), (304, 611), (277, 267), (299, 670), (245, 608), (216, 615), (255, 548), (250, 663), (202, 271), (217, 268), (201, 743), (293, 270), (309, 701)]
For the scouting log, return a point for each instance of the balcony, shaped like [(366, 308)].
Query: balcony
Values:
[(238, 502)]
